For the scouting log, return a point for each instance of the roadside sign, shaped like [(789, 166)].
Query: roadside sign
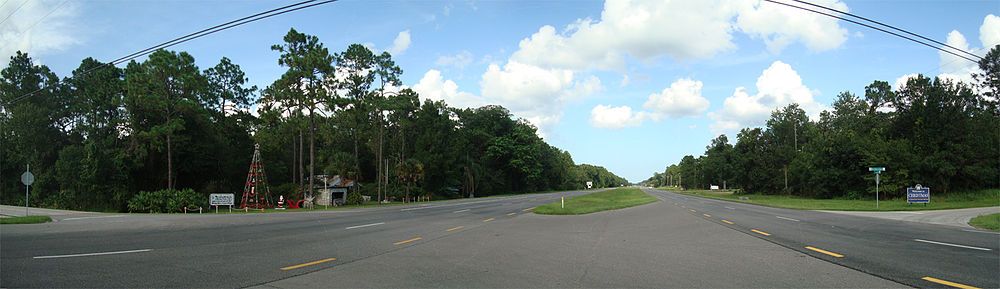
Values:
[(877, 170), (27, 178), (221, 199), (590, 185), (918, 195)]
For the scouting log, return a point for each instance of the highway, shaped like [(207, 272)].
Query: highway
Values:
[(680, 241)]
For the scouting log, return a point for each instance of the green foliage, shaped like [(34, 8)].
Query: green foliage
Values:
[(166, 201), (26, 220), (990, 222), (354, 198), (596, 202), (982, 198)]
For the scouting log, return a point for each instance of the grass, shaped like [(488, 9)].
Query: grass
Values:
[(26, 220), (596, 202), (982, 198), (990, 222)]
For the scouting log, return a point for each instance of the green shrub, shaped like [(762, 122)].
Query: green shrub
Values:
[(354, 198), (165, 201)]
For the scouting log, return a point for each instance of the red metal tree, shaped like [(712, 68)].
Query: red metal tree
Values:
[(256, 193)]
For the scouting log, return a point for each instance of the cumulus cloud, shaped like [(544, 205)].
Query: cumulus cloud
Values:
[(779, 85), (989, 32), (39, 27), (682, 98), (779, 25), (615, 117), (434, 87), (901, 81), (401, 43)]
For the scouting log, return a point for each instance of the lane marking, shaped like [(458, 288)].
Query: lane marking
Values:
[(692, 210), (362, 226), (450, 205), (455, 228), (707, 215), (511, 214), (728, 222), (824, 251), (784, 218), (92, 254), (293, 267), (760, 232), (490, 219), (528, 209), (953, 245), (407, 241), (948, 283), (731, 208), (99, 217), (459, 211)]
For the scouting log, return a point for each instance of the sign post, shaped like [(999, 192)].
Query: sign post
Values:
[(222, 200), (918, 194), (27, 178), (878, 171)]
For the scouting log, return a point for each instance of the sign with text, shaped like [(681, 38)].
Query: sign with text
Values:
[(918, 195), (221, 199)]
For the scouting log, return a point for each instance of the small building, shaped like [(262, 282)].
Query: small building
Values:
[(332, 190)]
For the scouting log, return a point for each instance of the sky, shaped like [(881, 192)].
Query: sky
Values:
[(629, 85)]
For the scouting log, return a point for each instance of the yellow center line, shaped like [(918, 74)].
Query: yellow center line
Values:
[(949, 283), (707, 215), (824, 251), (456, 228), (511, 214), (760, 232), (692, 210), (490, 219), (407, 241), (307, 264), (727, 222)]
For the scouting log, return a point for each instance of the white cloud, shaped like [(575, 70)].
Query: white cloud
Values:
[(401, 43), (989, 32), (780, 25), (682, 98), (29, 29), (615, 117), (958, 69), (534, 93), (901, 81), (779, 85), (434, 87), (459, 60)]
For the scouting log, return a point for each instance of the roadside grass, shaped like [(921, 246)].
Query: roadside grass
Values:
[(990, 222), (599, 201), (974, 199), (26, 220)]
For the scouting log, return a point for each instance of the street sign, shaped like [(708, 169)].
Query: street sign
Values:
[(27, 178), (918, 195), (877, 170), (221, 199)]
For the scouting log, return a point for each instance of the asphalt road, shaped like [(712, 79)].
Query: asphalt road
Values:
[(494, 242)]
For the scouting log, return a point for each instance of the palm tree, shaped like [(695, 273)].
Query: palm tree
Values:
[(410, 172)]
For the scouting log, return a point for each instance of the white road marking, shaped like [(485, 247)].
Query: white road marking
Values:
[(978, 231), (93, 254), (731, 208), (953, 245), (783, 218), (449, 205), (362, 226), (98, 217), (459, 211)]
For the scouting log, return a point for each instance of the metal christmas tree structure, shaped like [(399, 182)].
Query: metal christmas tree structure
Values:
[(256, 192)]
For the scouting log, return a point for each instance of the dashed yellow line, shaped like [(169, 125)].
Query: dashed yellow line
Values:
[(511, 214), (407, 241), (824, 251), (707, 215), (727, 222), (692, 210), (490, 219), (455, 228), (760, 232), (948, 283), (307, 264)]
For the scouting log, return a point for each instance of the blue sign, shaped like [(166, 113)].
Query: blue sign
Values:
[(918, 195)]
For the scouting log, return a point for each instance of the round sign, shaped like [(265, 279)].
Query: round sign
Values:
[(27, 178)]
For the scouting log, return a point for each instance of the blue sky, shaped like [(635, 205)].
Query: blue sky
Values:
[(629, 85)]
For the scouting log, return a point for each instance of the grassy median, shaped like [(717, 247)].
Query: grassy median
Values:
[(990, 222), (599, 201), (26, 220), (982, 198)]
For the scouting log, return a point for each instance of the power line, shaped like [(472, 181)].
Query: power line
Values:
[(890, 26), (40, 19), (192, 36), (876, 28), (15, 11)]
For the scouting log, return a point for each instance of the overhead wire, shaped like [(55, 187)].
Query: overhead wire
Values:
[(13, 12), (192, 36)]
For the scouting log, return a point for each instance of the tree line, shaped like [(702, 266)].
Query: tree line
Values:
[(934, 132), (98, 137)]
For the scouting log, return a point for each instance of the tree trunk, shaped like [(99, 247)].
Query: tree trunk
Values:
[(301, 169), (312, 152), (170, 162)]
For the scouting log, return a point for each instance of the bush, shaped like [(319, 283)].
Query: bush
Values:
[(165, 201), (354, 198)]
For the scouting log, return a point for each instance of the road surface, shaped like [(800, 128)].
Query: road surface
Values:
[(680, 241)]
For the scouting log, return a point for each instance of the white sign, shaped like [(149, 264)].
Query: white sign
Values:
[(221, 199), (713, 187), (27, 178), (590, 185)]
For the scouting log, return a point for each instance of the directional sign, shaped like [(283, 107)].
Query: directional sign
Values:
[(876, 169), (27, 178), (918, 195)]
